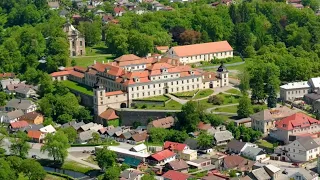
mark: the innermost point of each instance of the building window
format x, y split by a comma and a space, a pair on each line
80, 43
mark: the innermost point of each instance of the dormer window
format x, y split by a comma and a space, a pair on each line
164, 70
191, 72
136, 79
107, 70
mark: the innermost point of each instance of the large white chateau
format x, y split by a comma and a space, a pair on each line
131, 77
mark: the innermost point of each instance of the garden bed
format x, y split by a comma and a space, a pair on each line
161, 98
170, 105
203, 93
187, 94
234, 91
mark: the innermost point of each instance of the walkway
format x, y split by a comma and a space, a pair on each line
181, 101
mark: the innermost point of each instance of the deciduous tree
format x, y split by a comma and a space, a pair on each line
19, 145
106, 158
244, 107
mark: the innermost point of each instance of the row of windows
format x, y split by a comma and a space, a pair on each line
160, 85
210, 55
150, 93
296, 92
165, 77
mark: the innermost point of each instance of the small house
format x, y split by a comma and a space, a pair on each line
177, 165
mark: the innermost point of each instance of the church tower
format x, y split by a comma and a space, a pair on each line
222, 73
99, 99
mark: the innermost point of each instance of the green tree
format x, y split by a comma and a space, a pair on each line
188, 118
205, 140
148, 177
19, 145
91, 31
124, 166
46, 85
32, 169
112, 173
157, 135
244, 107
64, 118
106, 158
6, 173
244, 82
3, 97
56, 145
84, 115
71, 134
15, 163
140, 44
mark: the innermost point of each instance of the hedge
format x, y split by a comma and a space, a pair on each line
61, 175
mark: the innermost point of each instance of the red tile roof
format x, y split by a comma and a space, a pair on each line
77, 74
60, 73
204, 48
204, 126
235, 161
297, 120
118, 10
175, 175
174, 146
34, 134
159, 156
19, 124
109, 114
127, 57
140, 137
162, 48
166, 122
112, 93
30, 116
7, 75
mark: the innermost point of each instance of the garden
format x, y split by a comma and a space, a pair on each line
203, 93
186, 94
78, 87
171, 105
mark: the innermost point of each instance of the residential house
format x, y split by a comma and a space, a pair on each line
9, 117
162, 49
199, 163
15, 126
266, 119
254, 153
304, 174
259, 174
236, 146
196, 53
7, 75
96, 127
76, 40
193, 144
238, 163
273, 171
301, 150
124, 153
85, 136
131, 174
118, 11
6, 82
48, 129
182, 150
78, 125
177, 165
222, 137
162, 157
31, 127
311, 98
68, 124
175, 175
107, 117
107, 18
165, 123
295, 126
137, 138
32, 118
36, 136
139, 148
86, 127
25, 92
21, 104
53, 5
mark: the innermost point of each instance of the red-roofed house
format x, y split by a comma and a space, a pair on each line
118, 11
162, 157
175, 175
109, 117
18, 124
183, 151
201, 52
36, 136
296, 125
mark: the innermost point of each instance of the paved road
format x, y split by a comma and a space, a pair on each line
227, 65
181, 101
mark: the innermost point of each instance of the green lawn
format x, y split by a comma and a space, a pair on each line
203, 93
74, 166
218, 61
87, 61
234, 91
78, 87
227, 99
156, 98
230, 109
98, 49
114, 123
264, 144
171, 105
91, 159
53, 177
185, 94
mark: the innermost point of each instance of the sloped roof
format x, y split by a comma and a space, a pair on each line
204, 126
174, 146
159, 156
223, 135
48, 129
112, 93
19, 124
253, 151
19, 103
76, 126
296, 120
236, 145
166, 122
235, 161
138, 137
109, 114
30, 116
139, 147
178, 164
86, 135
260, 174
204, 48
175, 175
127, 57
15, 114
34, 134
130, 174
274, 113
308, 143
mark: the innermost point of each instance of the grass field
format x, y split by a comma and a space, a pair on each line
203, 93
235, 59
52, 177
78, 87
171, 105
230, 109
227, 99
185, 94
234, 91
264, 144
91, 159
156, 98
87, 61
74, 166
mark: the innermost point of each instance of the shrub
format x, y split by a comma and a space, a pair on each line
144, 106
216, 100
257, 108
